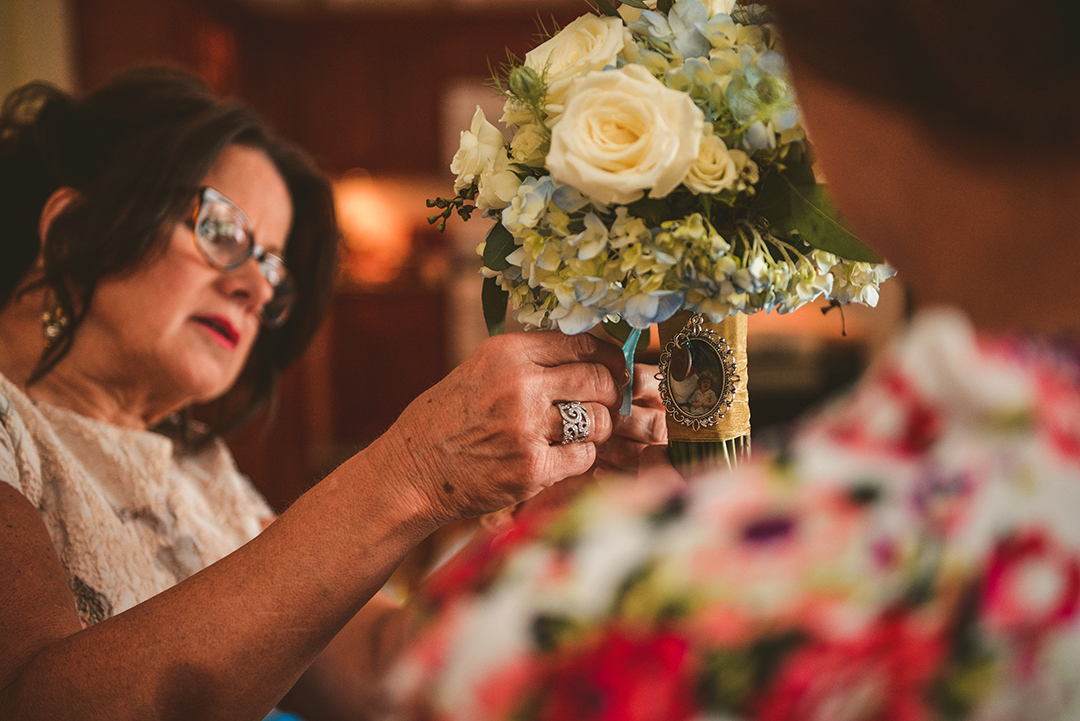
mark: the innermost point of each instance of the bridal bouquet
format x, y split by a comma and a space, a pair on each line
655, 163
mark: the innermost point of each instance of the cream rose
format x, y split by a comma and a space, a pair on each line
624, 132
714, 170
479, 146
588, 43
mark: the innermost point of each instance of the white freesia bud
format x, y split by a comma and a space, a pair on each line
588, 43
624, 132
747, 169
516, 112
719, 7
527, 145
480, 145
714, 170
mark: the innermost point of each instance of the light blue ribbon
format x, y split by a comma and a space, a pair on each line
628, 352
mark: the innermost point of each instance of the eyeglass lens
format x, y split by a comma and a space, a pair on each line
224, 235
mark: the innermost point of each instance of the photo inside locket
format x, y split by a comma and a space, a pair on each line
696, 378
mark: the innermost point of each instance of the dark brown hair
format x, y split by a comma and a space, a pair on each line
135, 150
996, 69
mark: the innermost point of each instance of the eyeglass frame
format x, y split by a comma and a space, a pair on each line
254, 250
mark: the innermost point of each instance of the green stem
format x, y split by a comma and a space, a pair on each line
692, 457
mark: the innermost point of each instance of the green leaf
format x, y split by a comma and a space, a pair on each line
806, 208
607, 8
773, 201
801, 173
820, 225
636, 4
494, 300
664, 6
653, 211
620, 331
500, 243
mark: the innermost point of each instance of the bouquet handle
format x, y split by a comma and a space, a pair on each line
703, 382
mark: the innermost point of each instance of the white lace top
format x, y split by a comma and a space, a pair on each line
129, 513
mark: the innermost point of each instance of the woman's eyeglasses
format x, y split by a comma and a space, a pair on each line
224, 235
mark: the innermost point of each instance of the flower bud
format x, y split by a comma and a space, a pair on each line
525, 83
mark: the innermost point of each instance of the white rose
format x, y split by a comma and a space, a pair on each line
498, 184
624, 132
480, 145
588, 43
714, 170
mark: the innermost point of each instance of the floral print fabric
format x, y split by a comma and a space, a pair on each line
912, 554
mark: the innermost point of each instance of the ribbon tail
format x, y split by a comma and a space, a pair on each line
628, 349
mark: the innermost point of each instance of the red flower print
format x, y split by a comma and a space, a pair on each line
890, 416
882, 675
1059, 413
476, 565
500, 694
1032, 585
621, 677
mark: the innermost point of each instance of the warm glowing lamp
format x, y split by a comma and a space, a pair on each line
376, 233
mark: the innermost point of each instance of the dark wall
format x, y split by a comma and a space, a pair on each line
354, 89
365, 92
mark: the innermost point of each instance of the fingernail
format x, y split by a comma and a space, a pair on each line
626, 377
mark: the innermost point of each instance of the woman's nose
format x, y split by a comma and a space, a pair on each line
248, 284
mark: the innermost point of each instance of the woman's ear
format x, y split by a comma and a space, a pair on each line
54, 206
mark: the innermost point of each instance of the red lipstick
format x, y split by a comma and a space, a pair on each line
221, 329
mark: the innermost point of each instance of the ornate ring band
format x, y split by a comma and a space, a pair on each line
576, 423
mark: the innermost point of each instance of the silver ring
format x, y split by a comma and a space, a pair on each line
576, 423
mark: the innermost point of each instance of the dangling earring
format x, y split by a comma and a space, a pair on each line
53, 323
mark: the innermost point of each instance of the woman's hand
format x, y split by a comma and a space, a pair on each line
489, 435
630, 435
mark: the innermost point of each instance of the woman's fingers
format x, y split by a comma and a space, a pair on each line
646, 387
577, 457
654, 460
618, 455
573, 459
552, 348
643, 425
583, 382
599, 423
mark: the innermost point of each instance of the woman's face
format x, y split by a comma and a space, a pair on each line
177, 329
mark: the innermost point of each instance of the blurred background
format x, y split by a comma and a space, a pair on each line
377, 91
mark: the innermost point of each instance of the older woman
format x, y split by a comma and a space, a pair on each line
162, 250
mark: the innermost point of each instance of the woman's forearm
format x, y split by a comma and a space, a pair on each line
230, 641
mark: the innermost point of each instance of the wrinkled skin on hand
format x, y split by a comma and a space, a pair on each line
488, 435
